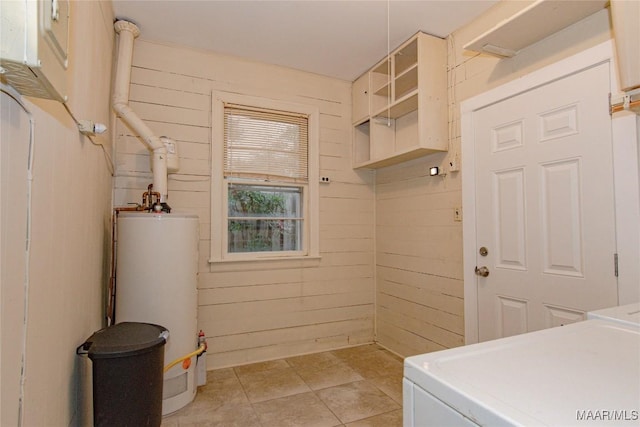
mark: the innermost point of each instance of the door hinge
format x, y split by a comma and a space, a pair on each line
615, 264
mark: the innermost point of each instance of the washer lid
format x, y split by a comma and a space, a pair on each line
123, 340
549, 377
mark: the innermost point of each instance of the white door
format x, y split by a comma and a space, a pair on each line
544, 206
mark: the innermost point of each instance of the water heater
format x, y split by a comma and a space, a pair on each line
156, 282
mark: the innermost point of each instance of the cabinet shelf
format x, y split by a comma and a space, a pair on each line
407, 105
399, 108
383, 90
407, 82
534, 23
398, 157
410, 70
406, 57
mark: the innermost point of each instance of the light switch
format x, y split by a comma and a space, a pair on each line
457, 214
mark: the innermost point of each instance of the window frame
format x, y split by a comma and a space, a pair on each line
219, 184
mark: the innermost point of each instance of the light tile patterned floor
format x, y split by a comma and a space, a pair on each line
354, 387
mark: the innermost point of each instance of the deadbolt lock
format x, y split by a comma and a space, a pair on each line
484, 251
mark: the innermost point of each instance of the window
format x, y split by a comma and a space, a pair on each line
264, 218
264, 203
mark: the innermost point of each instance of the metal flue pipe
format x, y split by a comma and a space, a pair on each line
127, 32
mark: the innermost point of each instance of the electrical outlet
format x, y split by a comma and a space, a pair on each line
325, 180
457, 214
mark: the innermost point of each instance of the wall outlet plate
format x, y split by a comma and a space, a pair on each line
457, 214
454, 165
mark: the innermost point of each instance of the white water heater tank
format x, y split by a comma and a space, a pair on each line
156, 282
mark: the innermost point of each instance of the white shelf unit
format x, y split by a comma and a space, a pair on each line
537, 21
400, 105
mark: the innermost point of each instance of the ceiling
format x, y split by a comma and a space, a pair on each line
339, 39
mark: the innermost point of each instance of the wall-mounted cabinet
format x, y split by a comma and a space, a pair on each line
360, 95
400, 105
34, 47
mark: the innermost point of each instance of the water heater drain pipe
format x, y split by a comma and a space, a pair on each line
128, 31
198, 352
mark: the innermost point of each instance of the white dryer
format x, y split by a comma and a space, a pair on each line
586, 373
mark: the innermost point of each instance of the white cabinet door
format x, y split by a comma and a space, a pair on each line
544, 206
360, 98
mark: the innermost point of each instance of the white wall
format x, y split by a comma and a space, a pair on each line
70, 234
258, 311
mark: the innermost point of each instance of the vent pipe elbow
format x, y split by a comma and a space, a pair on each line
127, 32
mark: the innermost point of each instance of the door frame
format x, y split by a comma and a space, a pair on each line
626, 185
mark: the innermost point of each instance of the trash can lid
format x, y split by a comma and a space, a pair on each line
124, 339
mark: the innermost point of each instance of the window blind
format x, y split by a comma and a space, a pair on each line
265, 144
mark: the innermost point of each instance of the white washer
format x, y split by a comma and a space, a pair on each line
629, 314
586, 373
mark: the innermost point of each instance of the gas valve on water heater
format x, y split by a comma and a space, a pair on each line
173, 161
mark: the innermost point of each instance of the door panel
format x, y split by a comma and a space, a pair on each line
513, 316
558, 316
544, 205
562, 249
509, 217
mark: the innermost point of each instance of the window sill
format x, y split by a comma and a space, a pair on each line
244, 264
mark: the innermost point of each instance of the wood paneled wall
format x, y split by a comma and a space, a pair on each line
53, 307
267, 310
419, 288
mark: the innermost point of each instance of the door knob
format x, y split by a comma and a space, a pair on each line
482, 271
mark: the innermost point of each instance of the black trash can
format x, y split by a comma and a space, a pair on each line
128, 361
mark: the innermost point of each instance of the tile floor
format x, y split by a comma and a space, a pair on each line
354, 387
